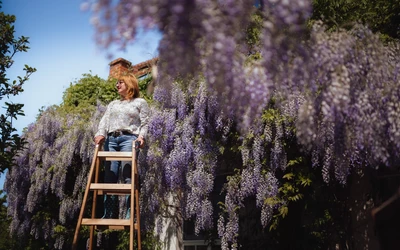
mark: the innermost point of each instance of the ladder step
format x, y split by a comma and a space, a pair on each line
116, 224
111, 188
114, 156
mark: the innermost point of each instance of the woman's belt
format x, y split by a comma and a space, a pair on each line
117, 133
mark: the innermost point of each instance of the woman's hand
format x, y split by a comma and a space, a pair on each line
141, 140
99, 139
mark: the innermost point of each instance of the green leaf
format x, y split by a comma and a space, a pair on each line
288, 176
283, 211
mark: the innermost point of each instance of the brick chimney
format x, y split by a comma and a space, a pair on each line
118, 67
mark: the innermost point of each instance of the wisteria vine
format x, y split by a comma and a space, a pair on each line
342, 86
336, 94
45, 189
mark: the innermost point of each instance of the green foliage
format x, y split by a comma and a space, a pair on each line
83, 95
151, 242
10, 142
379, 15
5, 238
59, 229
119, 240
144, 85
253, 33
294, 182
318, 213
272, 115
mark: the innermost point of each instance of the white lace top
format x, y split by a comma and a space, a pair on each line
130, 115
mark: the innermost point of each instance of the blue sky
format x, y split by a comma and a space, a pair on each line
62, 48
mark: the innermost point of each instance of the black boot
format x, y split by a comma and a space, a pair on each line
110, 207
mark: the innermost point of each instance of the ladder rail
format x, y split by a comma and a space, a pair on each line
135, 176
90, 178
94, 203
132, 201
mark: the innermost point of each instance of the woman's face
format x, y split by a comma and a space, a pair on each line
122, 88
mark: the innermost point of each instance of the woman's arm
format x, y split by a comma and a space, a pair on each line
144, 120
103, 126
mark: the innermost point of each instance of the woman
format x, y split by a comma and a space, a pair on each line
124, 122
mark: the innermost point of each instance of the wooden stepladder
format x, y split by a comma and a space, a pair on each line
93, 186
